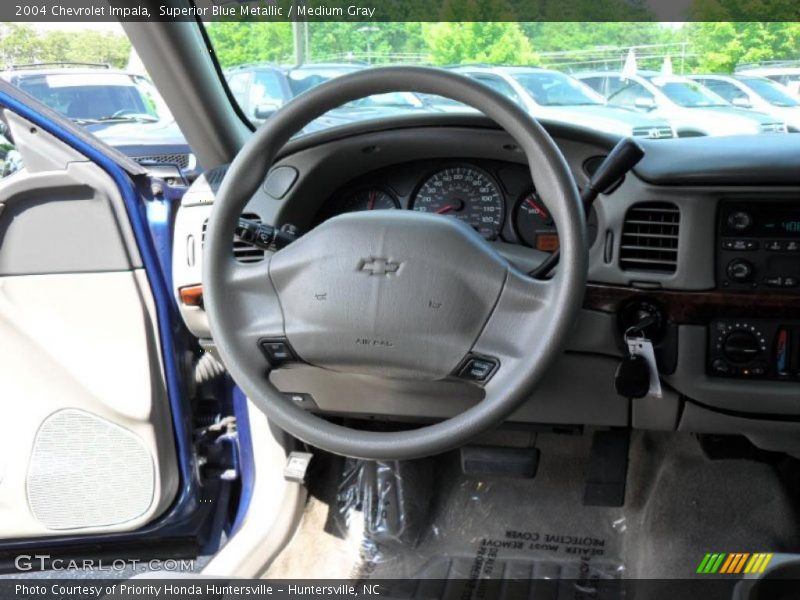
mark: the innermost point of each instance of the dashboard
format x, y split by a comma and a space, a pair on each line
670, 239
496, 198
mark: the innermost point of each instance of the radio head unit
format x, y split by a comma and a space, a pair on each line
758, 245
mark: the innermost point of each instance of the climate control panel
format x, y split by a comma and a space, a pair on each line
754, 349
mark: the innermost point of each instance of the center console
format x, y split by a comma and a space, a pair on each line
758, 249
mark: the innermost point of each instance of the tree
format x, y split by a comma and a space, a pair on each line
472, 42
331, 40
554, 36
719, 46
22, 44
236, 43
19, 43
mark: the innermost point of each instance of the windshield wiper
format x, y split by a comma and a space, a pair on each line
573, 104
137, 118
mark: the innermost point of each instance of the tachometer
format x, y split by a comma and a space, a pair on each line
371, 198
467, 193
534, 225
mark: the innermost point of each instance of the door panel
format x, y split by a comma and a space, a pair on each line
89, 445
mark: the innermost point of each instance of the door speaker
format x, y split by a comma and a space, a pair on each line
86, 471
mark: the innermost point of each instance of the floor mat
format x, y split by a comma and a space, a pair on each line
679, 505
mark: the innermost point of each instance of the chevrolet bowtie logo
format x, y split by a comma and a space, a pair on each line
379, 266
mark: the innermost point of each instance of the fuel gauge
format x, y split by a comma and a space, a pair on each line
534, 225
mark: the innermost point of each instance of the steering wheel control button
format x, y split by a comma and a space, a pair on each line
302, 400
278, 352
478, 368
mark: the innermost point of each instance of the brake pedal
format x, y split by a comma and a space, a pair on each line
500, 462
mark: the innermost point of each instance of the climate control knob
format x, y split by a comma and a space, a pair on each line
741, 346
740, 270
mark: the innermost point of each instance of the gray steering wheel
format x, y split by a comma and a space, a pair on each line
393, 294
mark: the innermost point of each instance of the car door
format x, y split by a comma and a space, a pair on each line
596, 82
633, 96
96, 446
728, 91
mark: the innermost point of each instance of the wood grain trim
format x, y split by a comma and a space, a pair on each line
697, 307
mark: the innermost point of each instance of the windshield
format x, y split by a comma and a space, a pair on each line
687, 93
96, 97
577, 67
304, 78
555, 89
770, 91
391, 100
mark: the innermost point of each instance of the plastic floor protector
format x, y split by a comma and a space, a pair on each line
430, 522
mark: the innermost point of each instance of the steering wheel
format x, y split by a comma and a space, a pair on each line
393, 294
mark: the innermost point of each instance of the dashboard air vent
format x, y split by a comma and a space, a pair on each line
243, 252
650, 237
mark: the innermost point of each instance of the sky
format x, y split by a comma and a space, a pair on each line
63, 26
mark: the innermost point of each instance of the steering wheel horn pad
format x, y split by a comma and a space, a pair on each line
393, 294
387, 293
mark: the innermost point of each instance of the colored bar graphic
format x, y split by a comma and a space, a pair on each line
729, 562
734, 563
704, 563
740, 563
717, 563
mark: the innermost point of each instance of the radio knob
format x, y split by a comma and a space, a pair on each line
741, 347
740, 221
740, 270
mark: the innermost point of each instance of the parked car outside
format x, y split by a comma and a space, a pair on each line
304, 77
758, 93
259, 88
690, 107
121, 108
557, 97
372, 107
785, 73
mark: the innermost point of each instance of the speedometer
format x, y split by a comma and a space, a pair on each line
464, 192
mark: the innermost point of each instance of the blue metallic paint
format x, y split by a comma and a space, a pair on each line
186, 515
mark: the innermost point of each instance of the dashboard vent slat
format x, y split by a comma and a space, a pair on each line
650, 238
242, 251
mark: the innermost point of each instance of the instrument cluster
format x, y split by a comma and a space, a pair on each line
495, 198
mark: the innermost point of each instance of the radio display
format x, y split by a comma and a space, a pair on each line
790, 227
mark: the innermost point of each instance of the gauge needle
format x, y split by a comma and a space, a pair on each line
541, 211
371, 201
446, 208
